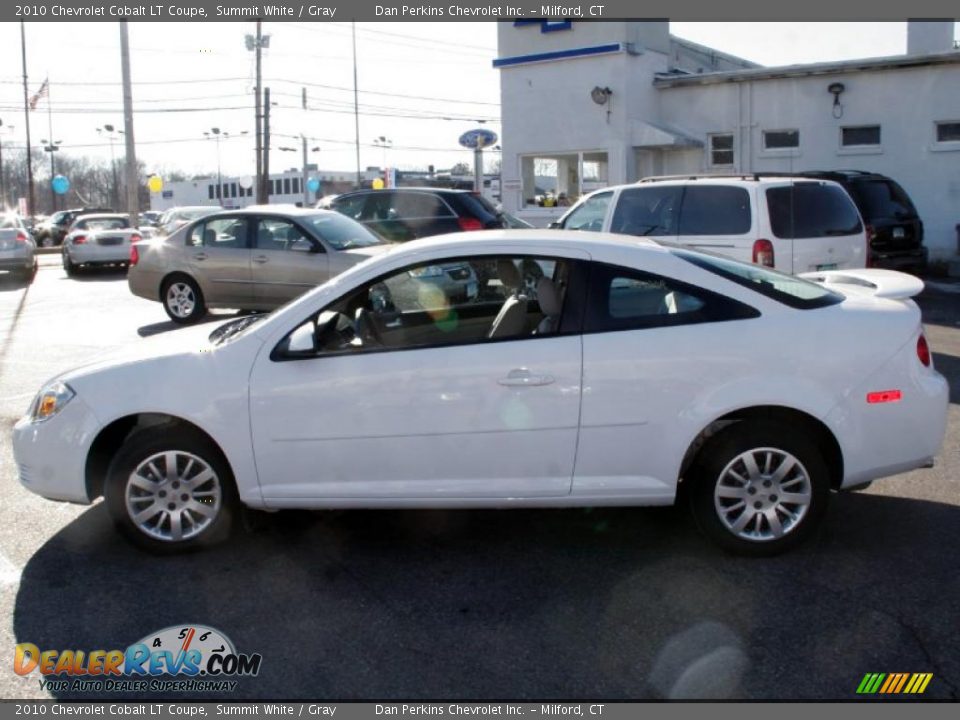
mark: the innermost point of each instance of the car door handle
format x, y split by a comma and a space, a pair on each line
260, 259
200, 256
522, 377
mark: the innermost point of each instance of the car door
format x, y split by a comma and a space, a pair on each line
433, 408
286, 261
423, 214
650, 210
218, 257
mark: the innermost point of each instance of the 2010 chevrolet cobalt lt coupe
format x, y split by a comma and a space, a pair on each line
628, 369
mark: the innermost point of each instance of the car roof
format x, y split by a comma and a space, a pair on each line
549, 239
405, 188
291, 210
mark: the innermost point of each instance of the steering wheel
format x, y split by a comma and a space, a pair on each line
366, 328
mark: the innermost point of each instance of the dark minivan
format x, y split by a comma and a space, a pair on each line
402, 214
894, 229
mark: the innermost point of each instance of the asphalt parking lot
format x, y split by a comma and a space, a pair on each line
585, 604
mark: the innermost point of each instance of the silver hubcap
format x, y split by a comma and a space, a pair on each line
173, 496
762, 494
180, 299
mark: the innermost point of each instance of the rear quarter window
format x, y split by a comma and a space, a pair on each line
809, 210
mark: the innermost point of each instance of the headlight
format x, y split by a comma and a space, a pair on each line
50, 401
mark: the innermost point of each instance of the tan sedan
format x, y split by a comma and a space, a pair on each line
250, 259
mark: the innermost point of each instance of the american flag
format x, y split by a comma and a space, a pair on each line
41, 93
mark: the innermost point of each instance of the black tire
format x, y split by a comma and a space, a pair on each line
69, 267
809, 477
188, 286
155, 535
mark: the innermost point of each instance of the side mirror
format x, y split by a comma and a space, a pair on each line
304, 246
555, 225
302, 341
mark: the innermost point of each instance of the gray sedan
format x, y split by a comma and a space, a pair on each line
251, 259
16, 247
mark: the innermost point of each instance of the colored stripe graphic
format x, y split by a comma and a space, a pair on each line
894, 683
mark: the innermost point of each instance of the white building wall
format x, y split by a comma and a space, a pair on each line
906, 103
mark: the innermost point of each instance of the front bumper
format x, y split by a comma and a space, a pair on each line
51, 455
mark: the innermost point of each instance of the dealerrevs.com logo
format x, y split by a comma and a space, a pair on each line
177, 658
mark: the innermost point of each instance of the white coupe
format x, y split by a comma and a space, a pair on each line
587, 370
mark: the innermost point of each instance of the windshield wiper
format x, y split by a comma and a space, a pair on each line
225, 332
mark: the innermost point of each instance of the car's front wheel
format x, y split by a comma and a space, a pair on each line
170, 490
759, 488
183, 300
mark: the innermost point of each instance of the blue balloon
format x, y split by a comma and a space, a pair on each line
313, 184
60, 184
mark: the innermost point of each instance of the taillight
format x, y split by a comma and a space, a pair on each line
134, 255
871, 236
21, 236
923, 351
136, 238
884, 396
469, 223
79, 239
871, 233
763, 253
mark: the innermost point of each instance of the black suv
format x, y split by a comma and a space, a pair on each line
894, 230
402, 214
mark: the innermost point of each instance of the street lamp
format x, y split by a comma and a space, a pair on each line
51, 146
216, 133
384, 143
304, 172
112, 134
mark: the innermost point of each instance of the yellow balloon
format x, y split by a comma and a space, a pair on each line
377, 184
155, 183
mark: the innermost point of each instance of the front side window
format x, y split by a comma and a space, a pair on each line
650, 211
781, 139
590, 214
452, 301
787, 289
812, 210
715, 210
627, 299
279, 234
228, 232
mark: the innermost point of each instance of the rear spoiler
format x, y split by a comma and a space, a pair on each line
883, 283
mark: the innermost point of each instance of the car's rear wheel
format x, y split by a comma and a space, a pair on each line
759, 488
170, 490
183, 300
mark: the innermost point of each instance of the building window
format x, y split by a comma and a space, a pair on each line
210, 192
948, 132
721, 150
286, 186
781, 139
860, 136
296, 186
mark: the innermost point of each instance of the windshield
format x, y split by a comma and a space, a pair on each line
341, 233
787, 289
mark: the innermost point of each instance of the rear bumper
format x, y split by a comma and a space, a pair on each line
899, 259
89, 253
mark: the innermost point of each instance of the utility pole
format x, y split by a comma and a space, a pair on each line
261, 182
356, 103
266, 145
26, 114
303, 137
133, 185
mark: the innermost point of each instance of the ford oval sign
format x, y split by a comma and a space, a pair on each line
478, 139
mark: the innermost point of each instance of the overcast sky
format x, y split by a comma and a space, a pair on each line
422, 85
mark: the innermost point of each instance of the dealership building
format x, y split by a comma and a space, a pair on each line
598, 104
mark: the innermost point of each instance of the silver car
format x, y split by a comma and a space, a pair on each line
98, 240
175, 218
16, 248
250, 259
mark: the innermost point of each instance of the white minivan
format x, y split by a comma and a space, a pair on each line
793, 225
